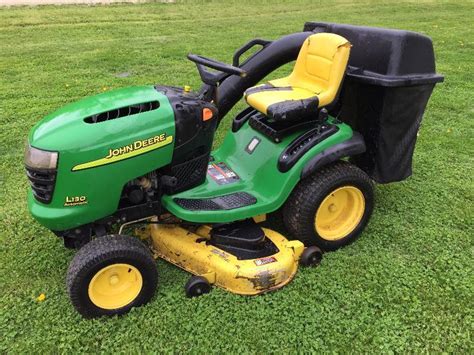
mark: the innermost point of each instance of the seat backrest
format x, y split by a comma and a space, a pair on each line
321, 65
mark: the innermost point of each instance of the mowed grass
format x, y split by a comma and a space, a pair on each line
405, 286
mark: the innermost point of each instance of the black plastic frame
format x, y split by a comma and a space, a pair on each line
302, 144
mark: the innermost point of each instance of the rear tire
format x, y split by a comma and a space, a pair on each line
330, 208
110, 275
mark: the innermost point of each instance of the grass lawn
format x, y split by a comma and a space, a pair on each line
405, 286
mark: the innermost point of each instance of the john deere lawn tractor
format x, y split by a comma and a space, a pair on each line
130, 174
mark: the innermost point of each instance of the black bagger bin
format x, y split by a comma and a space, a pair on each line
390, 77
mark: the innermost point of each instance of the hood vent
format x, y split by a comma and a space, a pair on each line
122, 112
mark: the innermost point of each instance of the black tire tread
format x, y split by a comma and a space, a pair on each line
300, 205
99, 250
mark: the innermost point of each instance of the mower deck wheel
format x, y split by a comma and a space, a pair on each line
311, 256
197, 286
110, 275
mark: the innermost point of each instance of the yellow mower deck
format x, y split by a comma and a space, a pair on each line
190, 251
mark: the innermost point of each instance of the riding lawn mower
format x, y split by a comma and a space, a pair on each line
129, 175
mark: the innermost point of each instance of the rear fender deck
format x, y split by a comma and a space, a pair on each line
243, 179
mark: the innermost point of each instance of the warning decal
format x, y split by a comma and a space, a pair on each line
265, 261
221, 173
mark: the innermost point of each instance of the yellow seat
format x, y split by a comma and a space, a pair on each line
314, 82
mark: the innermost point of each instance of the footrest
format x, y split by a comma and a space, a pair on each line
224, 202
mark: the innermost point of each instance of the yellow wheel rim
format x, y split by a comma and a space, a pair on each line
339, 213
115, 286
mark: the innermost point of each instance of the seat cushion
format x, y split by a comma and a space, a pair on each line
282, 102
315, 79
321, 64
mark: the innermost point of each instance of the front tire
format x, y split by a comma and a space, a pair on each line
330, 208
110, 275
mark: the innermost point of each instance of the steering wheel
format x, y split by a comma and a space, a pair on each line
212, 78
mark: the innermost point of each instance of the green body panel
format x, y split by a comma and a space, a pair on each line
78, 142
258, 172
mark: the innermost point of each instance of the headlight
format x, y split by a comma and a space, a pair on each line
40, 159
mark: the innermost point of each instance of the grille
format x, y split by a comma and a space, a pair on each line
42, 183
190, 173
122, 112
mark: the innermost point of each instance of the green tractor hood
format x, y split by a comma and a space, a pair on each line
67, 127
94, 138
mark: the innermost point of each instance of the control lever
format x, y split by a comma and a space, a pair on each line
323, 115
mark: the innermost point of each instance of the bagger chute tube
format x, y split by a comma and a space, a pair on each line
130, 174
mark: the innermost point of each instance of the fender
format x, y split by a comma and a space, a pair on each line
352, 146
